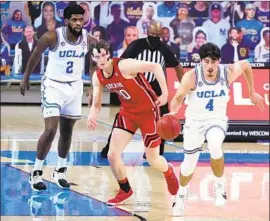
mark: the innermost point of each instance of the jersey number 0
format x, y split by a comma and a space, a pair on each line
125, 95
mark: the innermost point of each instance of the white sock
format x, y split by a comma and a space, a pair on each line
183, 190
61, 162
38, 164
220, 180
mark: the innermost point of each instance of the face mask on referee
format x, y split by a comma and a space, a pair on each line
154, 32
153, 41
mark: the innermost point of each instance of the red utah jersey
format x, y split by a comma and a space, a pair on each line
136, 94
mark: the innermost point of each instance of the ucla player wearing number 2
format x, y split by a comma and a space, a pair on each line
139, 109
61, 90
207, 90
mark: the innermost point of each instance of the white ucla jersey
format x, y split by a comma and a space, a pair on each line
209, 99
66, 60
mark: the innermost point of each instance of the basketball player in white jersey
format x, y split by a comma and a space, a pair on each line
61, 89
207, 87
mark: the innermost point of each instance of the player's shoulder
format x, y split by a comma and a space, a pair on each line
193, 71
50, 35
189, 79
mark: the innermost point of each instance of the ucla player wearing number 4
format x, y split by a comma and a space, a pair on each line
207, 87
139, 109
61, 89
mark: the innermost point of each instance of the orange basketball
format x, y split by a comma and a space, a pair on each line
168, 127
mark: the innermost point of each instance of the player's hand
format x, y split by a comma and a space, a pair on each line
89, 95
91, 122
257, 100
162, 100
24, 85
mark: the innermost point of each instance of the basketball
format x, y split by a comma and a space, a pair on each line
168, 127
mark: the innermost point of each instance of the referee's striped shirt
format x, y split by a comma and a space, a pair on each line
140, 50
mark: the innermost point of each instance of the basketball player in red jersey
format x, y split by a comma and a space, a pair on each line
139, 109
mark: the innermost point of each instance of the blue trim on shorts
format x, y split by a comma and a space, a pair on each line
43, 98
198, 149
215, 125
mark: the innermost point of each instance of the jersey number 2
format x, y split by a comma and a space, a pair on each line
210, 105
69, 69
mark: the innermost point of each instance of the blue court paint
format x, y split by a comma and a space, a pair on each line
132, 159
17, 199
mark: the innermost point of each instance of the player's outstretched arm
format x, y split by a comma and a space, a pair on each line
96, 103
130, 68
49, 39
187, 84
244, 67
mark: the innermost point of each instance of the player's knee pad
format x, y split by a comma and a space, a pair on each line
189, 164
215, 138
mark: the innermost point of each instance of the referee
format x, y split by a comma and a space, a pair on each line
153, 50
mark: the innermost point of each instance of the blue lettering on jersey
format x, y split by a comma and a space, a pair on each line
209, 94
70, 54
222, 31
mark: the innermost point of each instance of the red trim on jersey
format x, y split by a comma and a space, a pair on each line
140, 80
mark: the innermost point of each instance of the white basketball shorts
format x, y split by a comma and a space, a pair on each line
195, 133
61, 98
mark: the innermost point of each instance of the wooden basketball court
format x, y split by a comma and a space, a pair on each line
247, 173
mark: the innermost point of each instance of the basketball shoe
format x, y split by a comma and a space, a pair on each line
179, 203
220, 197
36, 181
120, 197
172, 181
59, 177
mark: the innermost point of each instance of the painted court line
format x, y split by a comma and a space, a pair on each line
121, 208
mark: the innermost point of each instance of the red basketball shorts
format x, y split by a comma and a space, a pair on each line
145, 121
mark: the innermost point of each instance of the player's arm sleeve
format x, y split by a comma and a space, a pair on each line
131, 51
17, 59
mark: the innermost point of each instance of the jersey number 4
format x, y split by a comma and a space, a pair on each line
69, 69
210, 105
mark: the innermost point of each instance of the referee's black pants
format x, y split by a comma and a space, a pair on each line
163, 110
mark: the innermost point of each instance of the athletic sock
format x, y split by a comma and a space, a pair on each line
124, 185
